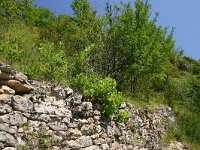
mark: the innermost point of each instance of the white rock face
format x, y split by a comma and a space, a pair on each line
60, 118
7, 90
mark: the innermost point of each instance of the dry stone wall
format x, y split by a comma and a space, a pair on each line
39, 115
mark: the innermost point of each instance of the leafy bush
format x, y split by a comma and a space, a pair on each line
188, 127
123, 115
80, 62
10, 48
88, 85
184, 90
103, 89
112, 102
18, 43
86, 80
49, 62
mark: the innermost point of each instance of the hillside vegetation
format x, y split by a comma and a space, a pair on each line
122, 55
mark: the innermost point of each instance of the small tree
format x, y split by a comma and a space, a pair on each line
142, 50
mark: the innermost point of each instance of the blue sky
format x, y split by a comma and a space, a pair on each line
182, 14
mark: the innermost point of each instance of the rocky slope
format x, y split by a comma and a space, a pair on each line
39, 115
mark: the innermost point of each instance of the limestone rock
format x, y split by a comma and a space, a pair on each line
71, 144
7, 73
83, 121
5, 98
57, 126
5, 68
99, 141
68, 91
22, 104
7, 128
63, 112
5, 108
44, 117
9, 148
93, 147
58, 92
87, 106
74, 133
176, 145
20, 77
7, 90
75, 99
95, 136
87, 129
7, 139
104, 146
5, 76
72, 125
66, 120
123, 105
56, 102
117, 146
13, 119
17, 86
84, 141
34, 124
40, 108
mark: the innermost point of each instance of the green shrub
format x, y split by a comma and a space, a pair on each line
112, 102
123, 116
18, 43
86, 80
103, 89
80, 62
87, 85
32, 70
49, 62
188, 126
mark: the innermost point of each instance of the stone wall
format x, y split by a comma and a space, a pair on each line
45, 116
